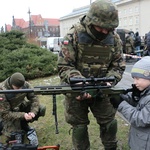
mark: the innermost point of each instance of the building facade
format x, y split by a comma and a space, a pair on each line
67, 21
133, 15
37, 28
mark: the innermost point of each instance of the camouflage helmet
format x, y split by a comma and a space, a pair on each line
102, 13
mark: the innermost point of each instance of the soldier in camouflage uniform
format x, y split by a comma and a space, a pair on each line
129, 46
92, 48
17, 110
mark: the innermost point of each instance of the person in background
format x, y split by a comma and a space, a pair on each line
135, 106
92, 48
137, 45
129, 46
147, 43
18, 109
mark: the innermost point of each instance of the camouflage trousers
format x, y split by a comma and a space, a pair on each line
76, 114
129, 50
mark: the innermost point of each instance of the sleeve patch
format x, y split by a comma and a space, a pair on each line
66, 42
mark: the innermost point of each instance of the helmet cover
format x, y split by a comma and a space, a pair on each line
102, 13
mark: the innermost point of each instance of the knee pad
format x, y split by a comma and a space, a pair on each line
80, 132
108, 134
111, 127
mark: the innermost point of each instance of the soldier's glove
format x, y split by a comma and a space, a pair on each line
116, 101
95, 94
89, 95
41, 112
135, 93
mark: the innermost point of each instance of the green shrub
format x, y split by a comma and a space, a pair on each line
19, 56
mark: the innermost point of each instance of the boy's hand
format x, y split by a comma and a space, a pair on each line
135, 93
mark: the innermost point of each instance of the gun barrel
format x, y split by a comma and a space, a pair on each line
17, 91
51, 90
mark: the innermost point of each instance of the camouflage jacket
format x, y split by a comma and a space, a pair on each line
83, 56
11, 104
130, 42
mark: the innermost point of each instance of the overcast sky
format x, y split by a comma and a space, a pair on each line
47, 8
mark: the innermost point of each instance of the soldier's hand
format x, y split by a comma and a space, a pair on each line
27, 117
83, 96
109, 83
31, 114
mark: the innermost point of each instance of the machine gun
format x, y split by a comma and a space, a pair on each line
77, 85
16, 142
17, 146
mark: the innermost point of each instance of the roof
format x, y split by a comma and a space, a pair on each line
52, 22
21, 23
39, 21
77, 12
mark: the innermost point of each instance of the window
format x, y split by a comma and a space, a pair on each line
130, 21
137, 29
125, 22
125, 11
136, 9
130, 10
137, 20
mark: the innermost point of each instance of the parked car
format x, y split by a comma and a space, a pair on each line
57, 43
53, 43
